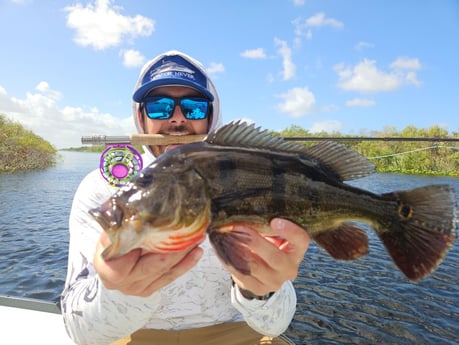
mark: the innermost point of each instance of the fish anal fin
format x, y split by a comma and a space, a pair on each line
345, 242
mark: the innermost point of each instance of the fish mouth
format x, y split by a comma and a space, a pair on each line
129, 230
109, 215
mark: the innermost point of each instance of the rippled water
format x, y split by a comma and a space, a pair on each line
367, 301
35, 207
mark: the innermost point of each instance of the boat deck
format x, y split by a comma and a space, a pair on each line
29, 321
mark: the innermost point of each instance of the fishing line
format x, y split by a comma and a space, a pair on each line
416, 150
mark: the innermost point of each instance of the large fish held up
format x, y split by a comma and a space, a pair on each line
243, 175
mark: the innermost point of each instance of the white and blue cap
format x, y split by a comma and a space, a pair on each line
172, 70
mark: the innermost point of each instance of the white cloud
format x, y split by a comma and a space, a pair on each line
329, 126
258, 53
411, 78
363, 45
366, 77
102, 25
301, 30
360, 102
214, 68
320, 20
298, 2
289, 68
132, 58
406, 63
303, 27
62, 127
297, 102
44, 88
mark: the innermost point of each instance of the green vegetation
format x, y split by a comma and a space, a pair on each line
406, 157
22, 150
94, 148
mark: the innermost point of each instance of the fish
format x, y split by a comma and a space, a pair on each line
241, 174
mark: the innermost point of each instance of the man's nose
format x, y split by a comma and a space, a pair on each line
177, 115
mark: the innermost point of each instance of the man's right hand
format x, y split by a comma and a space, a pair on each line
141, 273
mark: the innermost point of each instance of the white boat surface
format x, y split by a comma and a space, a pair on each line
31, 321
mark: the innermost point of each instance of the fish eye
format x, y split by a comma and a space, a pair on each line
405, 211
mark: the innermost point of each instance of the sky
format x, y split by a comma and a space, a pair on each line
68, 68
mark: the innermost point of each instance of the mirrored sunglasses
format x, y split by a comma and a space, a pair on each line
162, 107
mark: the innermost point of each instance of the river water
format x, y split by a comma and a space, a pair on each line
367, 301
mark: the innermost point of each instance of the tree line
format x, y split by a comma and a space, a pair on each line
433, 157
22, 150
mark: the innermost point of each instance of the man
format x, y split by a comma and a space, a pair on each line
187, 296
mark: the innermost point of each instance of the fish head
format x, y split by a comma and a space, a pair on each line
160, 210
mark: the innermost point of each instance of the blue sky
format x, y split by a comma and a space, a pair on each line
68, 68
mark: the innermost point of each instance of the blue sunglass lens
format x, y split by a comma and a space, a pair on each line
194, 109
162, 108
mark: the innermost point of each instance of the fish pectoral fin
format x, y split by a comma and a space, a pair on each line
231, 245
345, 242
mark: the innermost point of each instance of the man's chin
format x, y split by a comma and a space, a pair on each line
160, 149
157, 150
170, 147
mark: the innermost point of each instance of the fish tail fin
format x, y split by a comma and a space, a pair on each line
425, 230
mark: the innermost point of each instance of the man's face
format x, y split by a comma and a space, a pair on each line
177, 124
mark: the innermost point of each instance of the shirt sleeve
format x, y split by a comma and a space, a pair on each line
93, 314
271, 317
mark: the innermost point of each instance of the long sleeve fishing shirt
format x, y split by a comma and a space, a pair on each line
202, 297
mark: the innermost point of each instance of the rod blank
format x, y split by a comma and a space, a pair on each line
140, 139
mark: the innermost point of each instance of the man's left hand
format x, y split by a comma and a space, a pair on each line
275, 259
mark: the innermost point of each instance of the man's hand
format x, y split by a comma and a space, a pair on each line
141, 273
275, 260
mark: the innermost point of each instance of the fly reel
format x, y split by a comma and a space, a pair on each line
119, 163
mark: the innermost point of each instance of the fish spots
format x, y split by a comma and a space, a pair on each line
405, 211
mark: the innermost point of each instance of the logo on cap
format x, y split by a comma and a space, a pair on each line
172, 70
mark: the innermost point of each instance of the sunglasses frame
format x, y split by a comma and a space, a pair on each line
178, 102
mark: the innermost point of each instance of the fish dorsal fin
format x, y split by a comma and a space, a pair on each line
345, 163
243, 134
338, 160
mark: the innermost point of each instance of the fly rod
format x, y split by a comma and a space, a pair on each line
140, 139
120, 161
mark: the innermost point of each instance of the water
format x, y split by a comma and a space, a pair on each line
35, 208
366, 301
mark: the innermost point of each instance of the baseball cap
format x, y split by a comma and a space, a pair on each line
172, 70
